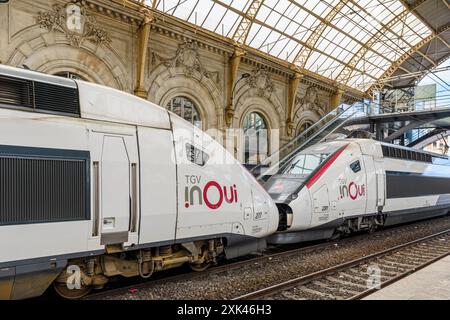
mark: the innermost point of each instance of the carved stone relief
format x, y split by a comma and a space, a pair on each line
187, 57
74, 21
310, 101
260, 80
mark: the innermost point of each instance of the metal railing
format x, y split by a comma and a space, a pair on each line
322, 129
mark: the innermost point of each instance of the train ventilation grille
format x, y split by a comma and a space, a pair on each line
38, 96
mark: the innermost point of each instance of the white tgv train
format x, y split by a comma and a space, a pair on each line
352, 185
96, 183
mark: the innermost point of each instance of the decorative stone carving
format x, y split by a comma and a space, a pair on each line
260, 80
75, 23
187, 57
309, 102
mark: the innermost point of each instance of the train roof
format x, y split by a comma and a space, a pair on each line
107, 104
331, 146
76, 98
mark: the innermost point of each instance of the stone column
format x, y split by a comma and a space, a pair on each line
232, 76
336, 99
143, 39
292, 93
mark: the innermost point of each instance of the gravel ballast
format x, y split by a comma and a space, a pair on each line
258, 275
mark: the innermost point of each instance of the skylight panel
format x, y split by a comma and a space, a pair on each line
292, 12
198, 13
241, 5
263, 13
323, 65
282, 24
273, 18
282, 6
167, 6
270, 42
214, 18
293, 49
257, 35
228, 24
282, 27
289, 51
277, 48
183, 9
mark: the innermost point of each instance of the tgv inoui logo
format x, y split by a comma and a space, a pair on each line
352, 190
212, 194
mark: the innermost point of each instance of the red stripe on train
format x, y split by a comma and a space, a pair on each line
324, 168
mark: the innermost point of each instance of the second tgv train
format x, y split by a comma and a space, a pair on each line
350, 185
97, 183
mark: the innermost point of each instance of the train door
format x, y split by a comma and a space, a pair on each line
380, 182
372, 184
115, 183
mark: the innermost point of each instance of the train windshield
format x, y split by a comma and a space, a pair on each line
290, 178
304, 164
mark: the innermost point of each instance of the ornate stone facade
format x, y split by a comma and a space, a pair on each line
261, 81
103, 48
82, 28
308, 108
187, 57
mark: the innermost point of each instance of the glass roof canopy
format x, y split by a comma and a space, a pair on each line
350, 42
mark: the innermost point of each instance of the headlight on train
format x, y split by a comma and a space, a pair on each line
290, 218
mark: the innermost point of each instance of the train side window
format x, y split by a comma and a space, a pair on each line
196, 155
355, 166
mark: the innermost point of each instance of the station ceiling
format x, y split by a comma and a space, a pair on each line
357, 43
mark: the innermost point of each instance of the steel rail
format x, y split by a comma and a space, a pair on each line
297, 282
239, 264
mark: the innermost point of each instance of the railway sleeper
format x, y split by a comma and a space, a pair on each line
319, 294
346, 283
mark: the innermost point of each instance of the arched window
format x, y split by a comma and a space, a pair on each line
185, 108
305, 125
256, 138
70, 75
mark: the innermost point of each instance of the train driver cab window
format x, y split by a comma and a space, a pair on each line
305, 163
355, 166
196, 155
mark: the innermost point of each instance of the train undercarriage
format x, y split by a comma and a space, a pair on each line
85, 274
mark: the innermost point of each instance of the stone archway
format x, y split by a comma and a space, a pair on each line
166, 83
307, 109
248, 104
305, 117
52, 53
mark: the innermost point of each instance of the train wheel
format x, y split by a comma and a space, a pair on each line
200, 267
71, 294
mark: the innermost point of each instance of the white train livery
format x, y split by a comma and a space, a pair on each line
349, 185
96, 183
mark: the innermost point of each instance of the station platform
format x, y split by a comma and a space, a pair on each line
429, 283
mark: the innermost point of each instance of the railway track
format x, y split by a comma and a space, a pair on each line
216, 269
358, 278
283, 251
